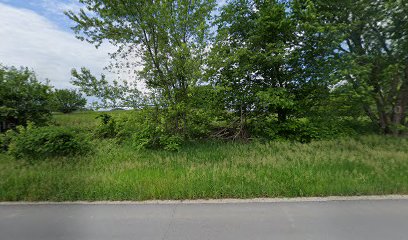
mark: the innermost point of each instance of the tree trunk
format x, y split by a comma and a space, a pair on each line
242, 132
390, 121
399, 109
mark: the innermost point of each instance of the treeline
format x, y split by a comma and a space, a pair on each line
23, 98
268, 69
263, 62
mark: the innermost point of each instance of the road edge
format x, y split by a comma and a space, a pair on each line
219, 201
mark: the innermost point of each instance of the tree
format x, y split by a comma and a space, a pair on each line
109, 95
372, 39
22, 98
252, 59
67, 101
170, 36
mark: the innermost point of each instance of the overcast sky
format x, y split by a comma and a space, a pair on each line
37, 34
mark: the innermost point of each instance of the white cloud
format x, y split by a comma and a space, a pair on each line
29, 39
58, 7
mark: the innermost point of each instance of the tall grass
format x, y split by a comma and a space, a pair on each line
349, 166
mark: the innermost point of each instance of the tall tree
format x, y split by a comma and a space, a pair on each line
23, 98
169, 36
67, 100
373, 52
252, 58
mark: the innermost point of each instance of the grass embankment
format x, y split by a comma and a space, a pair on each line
363, 166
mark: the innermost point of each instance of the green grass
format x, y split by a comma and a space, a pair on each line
86, 120
364, 166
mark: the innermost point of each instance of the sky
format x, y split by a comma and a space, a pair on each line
36, 34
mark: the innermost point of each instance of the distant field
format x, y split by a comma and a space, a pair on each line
82, 119
361, 166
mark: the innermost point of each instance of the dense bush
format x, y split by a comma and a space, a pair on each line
312, 128
107, 126
147, 129
22, 98
5, 139
299, 130
45, 142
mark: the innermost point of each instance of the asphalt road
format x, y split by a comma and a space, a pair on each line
379, 219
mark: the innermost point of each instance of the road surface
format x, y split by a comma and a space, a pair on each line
361, 219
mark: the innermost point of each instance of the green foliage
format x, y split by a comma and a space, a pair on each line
170, 37
22, 98
280, 71
110, 95
287, 64
200, 123
206, 110
84, 120
141, 129
147, 129
36, 143
276, 100
371, 55
305, 130
369, 165
171, 142
106, 127
294, 70
259, 59
67, 101
299, 130
6, 138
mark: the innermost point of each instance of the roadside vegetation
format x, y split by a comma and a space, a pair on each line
360, 165
248, 99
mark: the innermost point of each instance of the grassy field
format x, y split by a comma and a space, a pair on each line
86, 120
362, 166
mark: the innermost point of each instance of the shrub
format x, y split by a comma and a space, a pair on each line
147, 129
199, 123
107, 126
299, 130
5, 139
46, 142
312, 128
171, 142
22, 98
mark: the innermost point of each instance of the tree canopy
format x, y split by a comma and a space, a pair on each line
270, 61
22, 98
293, 70
169, 37
67, 100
